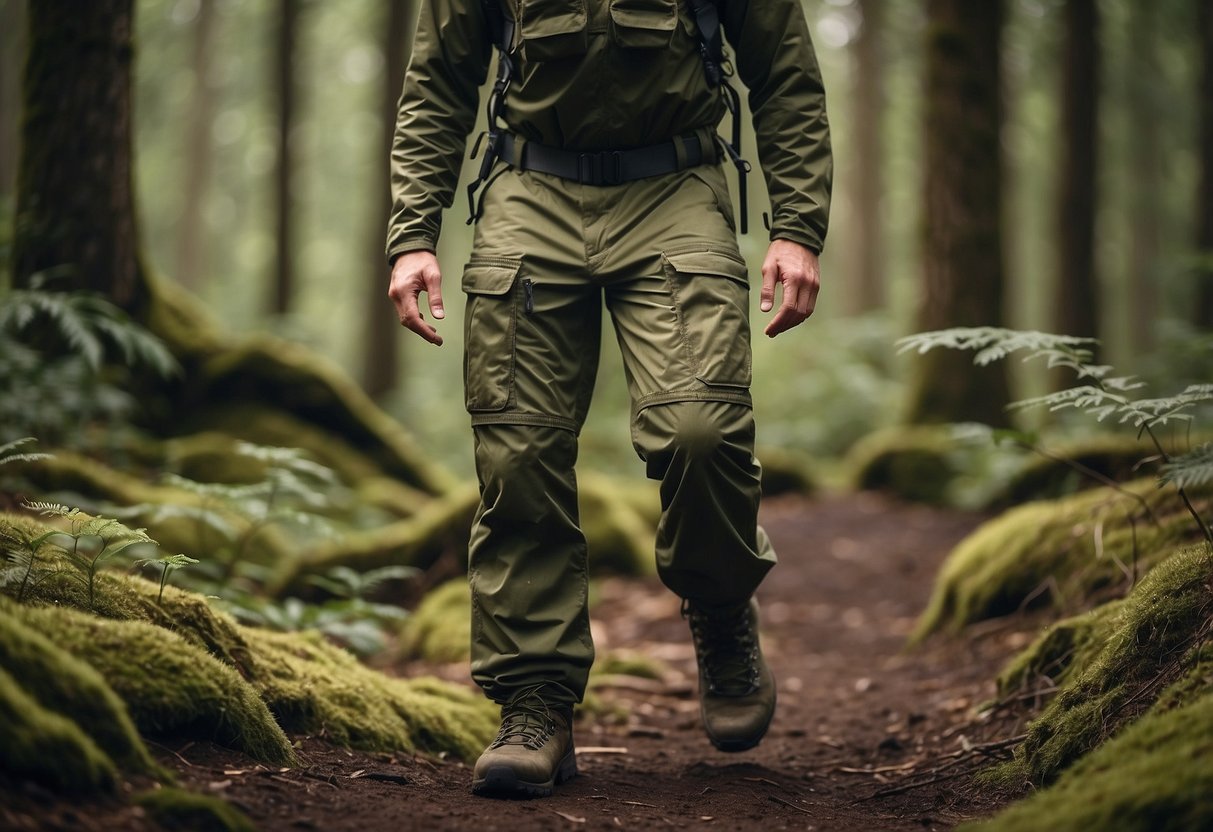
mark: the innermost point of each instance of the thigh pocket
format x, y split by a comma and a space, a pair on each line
490, 325
644, 24
711, 298
553, 29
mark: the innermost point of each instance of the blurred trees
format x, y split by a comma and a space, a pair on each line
191, 262
1203, 316
868, 290
1077, 290
12, 50
1141, 69
284, 203
962, 268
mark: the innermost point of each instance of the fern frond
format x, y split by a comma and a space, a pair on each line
52, 509
1192, 469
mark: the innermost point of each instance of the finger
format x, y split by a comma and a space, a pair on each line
413, 320
810, 296
766, 298
433, 288
786, 318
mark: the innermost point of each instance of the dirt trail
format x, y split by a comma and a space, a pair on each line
857, 713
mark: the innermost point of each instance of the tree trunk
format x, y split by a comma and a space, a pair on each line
1145, 175
1203, 316
1077, 293
284, 76
191, 253
867, 291
75, 204
12, 51
962, 238
381, 363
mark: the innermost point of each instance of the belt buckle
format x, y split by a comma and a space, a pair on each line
601, 168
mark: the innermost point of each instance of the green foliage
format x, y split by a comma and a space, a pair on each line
167, 564
63, 358
9, 452
354, 623
1192, 469
90, 542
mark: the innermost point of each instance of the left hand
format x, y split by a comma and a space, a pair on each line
795, 266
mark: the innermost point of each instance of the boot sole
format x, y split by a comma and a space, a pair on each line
743, 744
503, 781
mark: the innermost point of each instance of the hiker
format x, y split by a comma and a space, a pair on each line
602, 178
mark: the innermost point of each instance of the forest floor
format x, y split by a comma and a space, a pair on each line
868, 735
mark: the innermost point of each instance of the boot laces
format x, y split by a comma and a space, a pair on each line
526, 720
726, 643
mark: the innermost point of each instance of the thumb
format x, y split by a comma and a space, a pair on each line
433, 288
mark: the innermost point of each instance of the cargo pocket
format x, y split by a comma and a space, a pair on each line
644, 24
489, 331
553, 29
711, 298
713, 178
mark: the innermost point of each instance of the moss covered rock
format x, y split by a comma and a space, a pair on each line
915, 463
71, 688
1063, 648
1151, 634
1154, 777
619, 537
169, 686
47, 747
1070, 549
439, 629
175, 808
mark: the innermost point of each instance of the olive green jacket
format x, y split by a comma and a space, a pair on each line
609, 74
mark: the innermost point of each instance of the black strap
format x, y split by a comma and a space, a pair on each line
501, 32
606, 167
711, 44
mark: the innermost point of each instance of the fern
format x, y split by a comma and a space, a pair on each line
8, 452
1191, 469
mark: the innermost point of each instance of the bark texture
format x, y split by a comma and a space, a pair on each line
962, 269
1077, 300
75, 205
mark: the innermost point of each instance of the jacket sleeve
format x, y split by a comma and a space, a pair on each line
776, 62
437, 111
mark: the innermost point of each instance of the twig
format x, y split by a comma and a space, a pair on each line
892, 790
788, 803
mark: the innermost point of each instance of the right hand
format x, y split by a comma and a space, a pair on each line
415, 272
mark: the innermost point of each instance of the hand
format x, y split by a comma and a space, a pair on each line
415, 272
795, 266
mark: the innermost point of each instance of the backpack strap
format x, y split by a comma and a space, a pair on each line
717, 71
501, 32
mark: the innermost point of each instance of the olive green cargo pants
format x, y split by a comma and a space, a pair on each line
663, 254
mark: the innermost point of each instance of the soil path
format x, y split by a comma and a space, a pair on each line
857, 713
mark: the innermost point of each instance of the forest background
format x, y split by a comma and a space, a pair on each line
260, 167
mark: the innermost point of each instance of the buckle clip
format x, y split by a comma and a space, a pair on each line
602, 168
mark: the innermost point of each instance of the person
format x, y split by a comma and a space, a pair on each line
604, 182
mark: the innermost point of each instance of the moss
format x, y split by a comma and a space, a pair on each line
1154, 777
629, 663
290, 377
1055, 546
316, 688
618, 537
67, 686
87, 483
179, 809
441, 526
915, 463
170, 686
785, 471
1154, 627
1116, 456
39, 744
438, 630
1063, 647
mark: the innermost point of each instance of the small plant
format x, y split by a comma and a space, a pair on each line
9, 451
167, 564
54, 349
1099, 393
293, 492
91, 541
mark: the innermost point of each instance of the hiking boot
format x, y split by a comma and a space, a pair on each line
533, 752
736, 689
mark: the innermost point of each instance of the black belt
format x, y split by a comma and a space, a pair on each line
607, 167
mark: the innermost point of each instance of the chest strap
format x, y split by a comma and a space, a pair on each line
608, 167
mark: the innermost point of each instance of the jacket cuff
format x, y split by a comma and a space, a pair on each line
414, 242
803, 236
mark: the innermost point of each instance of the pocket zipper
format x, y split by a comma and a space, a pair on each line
528, 293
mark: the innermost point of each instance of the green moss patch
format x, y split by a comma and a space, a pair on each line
1154, 777
71, 688
45, 746
316, 688
1150, 639
915, 463
170, 686
178, 809
1063, 648
439, 629
1068, 550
